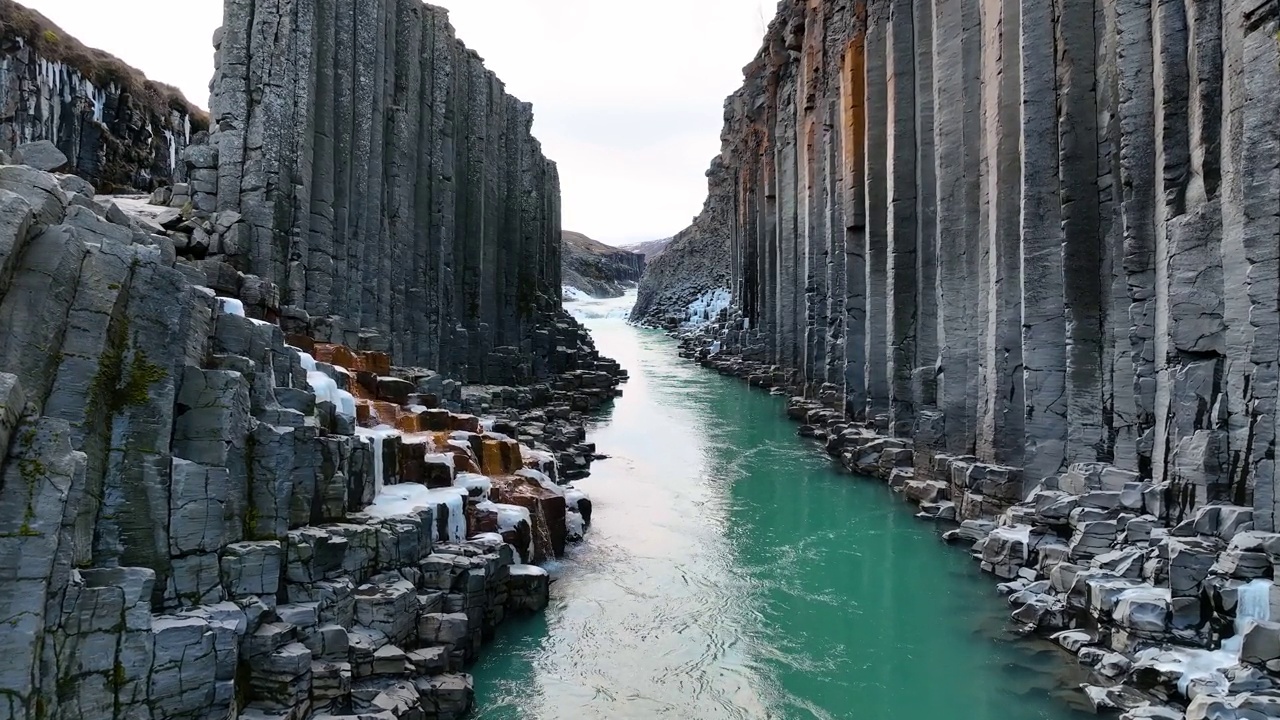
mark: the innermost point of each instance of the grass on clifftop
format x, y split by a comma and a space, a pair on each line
101, 68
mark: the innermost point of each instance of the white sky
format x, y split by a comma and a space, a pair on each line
628, 93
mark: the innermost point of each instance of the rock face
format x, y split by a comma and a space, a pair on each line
1032, 233
199, 519
694, 263
386, 178
597, 269
269, 496
118, 130
650, 249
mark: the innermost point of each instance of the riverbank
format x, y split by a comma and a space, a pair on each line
1171, 622
733, 573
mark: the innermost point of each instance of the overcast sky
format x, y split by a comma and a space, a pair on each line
628, 94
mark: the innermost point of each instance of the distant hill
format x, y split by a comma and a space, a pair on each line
650, 249
597, 269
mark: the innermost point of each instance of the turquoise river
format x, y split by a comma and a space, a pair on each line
731, 572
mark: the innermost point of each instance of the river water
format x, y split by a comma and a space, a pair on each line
731, 573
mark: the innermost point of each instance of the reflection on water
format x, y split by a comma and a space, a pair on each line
731, 573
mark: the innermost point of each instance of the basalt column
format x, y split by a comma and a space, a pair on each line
1057, 221
390, 186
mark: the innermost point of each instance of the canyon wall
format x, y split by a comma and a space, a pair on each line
1030, 232
693, 264
387, 180
240, 474
119, 130
597, 269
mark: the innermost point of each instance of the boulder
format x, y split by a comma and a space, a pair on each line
41, 155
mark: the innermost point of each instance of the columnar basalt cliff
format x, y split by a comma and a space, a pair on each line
1035, 236
386, 179
119, 130
230, 485
693, 264
1019, 259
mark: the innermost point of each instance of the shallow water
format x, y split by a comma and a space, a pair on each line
732, 573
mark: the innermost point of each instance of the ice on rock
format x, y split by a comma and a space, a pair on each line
440, 459
715, 347
231, 306
326, 388
542, 479
456, 500
1208, 667
401, 500
308, 362
473, 482
575, 528
1016, 533
376, 436
509, 516
708, 306
527, 570
572, 496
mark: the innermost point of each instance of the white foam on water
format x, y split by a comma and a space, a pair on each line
584, 307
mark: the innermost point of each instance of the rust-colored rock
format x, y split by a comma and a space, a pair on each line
375, 362
386, 413
303, 342
339, 355
546, 509
411, 422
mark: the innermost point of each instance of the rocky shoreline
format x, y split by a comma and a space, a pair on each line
1173, 621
